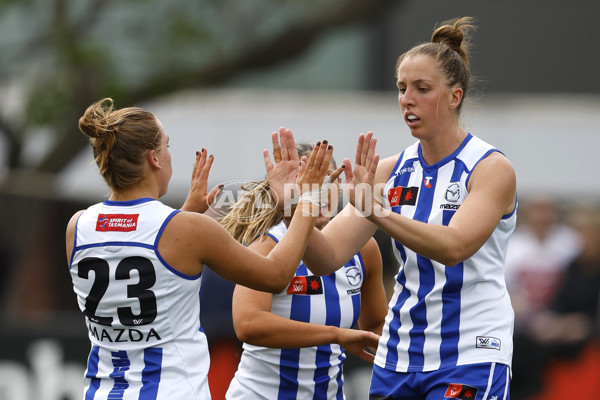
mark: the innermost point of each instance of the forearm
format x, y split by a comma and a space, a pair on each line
271, 330
288, 252
339, 241
438, 242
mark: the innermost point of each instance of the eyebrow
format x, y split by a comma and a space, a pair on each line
418, 81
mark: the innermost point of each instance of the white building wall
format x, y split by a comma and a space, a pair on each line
553, 141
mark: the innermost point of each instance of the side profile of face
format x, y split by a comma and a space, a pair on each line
425, 100
164, 159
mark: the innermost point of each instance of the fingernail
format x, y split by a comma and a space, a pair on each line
329, 147
203, 149
343, 166
325, 141
196, 152
210, 156
221, 186
318, 143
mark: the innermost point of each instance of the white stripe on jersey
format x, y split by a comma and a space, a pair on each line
443, 316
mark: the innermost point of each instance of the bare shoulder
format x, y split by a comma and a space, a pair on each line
263, 245
73, 221
188, 238
497, 159
494, 168
495, 177
193, 225
370, 248
70, 234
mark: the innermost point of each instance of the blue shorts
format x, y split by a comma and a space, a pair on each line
486, 381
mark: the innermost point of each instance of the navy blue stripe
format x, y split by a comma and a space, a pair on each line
394, 325
418, 312
451, 293
92, 371
173, 270
163, 226
160, 257
151, 373
74, 241
395, 169
332, 318
339, 380
288, 374
321, 376
478, 161
513, 210
445, 160
128, 202
121, 244
356, 298
450, 323
289, 358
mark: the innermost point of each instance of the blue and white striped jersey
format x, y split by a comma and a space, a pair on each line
142, 315
311, 372
441, 316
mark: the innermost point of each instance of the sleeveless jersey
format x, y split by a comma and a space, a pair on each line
441, 316
142, 315
310, 372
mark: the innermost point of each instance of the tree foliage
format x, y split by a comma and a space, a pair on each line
58, 56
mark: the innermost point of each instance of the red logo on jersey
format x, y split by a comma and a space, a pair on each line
461, 392
305, 285
427, 182
400, 196
117, 222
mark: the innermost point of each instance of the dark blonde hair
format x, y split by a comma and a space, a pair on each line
120, 140
450, 47
253, 214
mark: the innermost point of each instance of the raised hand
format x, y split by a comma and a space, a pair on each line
285, 170
313, 170
361, 179
356, 341
198, 200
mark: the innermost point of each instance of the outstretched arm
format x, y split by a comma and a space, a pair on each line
191, 240
255, 324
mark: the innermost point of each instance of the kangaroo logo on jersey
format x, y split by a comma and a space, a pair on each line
403, 196
305, 285
117, 222
453, 192
460, 391
354, 275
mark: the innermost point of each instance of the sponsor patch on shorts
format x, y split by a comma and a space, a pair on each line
460, 391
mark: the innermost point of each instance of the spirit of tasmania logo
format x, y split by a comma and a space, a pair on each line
117, 222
